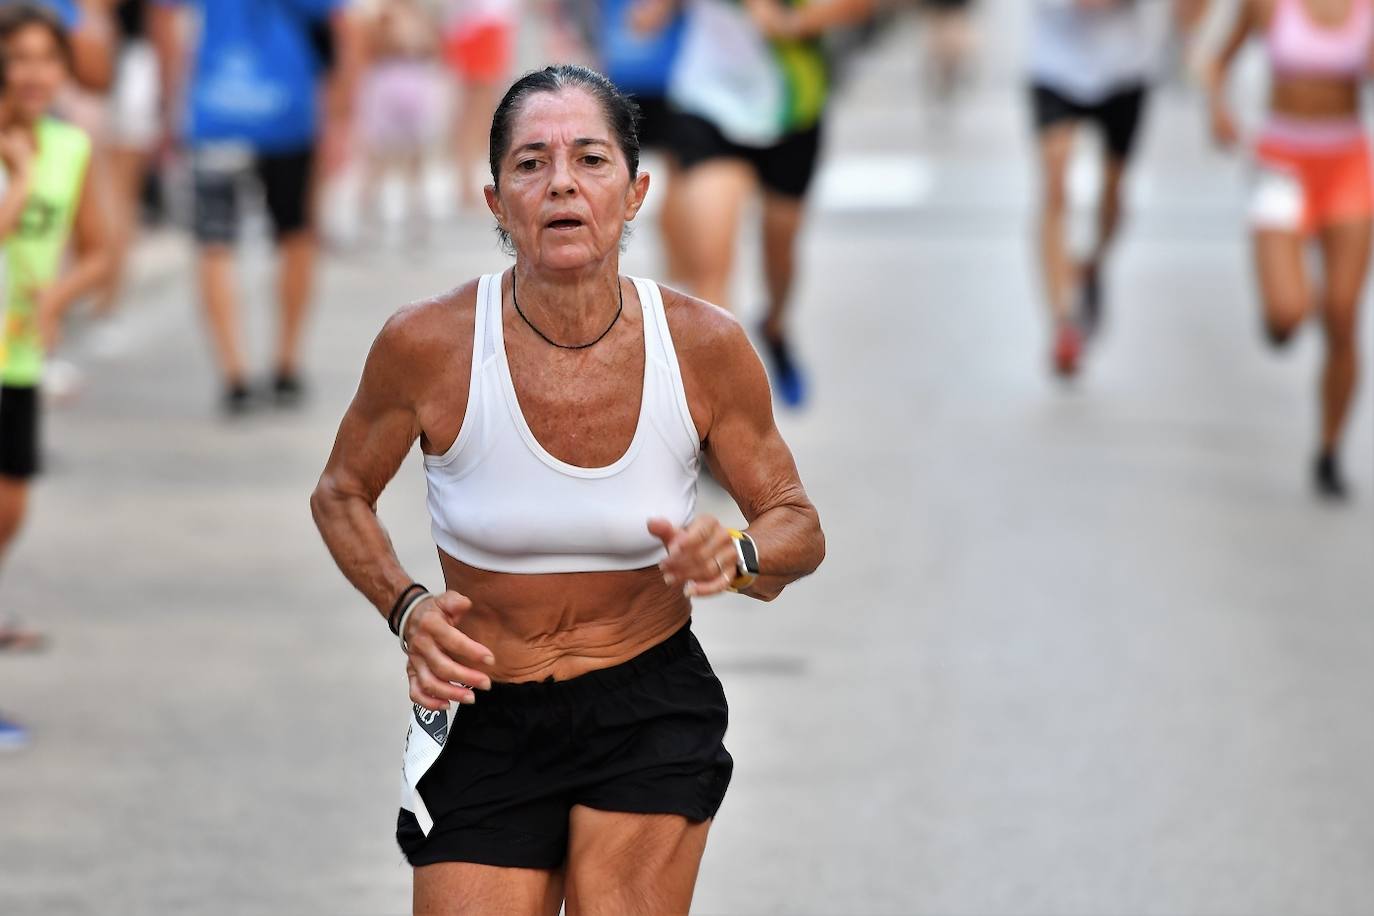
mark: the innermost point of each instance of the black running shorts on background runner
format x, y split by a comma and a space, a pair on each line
644, 737
20, 411
220, 174
785, 168
1118, 115
656, 119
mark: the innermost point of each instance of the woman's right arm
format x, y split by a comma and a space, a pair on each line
16, 152
1214, 75
376, 434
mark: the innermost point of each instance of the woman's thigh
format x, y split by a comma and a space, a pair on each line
461, 888
713, 195
1346, 254
1280, 267
632, 863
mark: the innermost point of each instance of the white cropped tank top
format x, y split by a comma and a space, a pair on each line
498, 501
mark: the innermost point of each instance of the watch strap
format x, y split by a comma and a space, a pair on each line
747, 560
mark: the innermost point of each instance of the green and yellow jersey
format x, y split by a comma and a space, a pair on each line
33, 252
754, 90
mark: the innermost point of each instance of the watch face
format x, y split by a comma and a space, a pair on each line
750, 556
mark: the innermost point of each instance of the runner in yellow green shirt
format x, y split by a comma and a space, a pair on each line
59, 206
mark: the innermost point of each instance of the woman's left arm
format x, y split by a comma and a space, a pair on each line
91, 264
748, 457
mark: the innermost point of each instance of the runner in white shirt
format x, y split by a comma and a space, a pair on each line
1090, 60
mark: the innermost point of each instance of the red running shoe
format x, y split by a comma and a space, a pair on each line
1068, 349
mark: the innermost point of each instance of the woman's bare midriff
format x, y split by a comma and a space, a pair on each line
562, 625
1315, 98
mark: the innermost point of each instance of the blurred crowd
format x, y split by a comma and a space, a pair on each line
118, 114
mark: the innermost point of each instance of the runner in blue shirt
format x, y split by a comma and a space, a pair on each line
249, 110
639, 41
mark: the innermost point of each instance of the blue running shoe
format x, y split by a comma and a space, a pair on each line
789, 382
13, 736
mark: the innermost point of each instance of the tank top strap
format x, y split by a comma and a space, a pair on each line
658, 344
481, 336
487, 332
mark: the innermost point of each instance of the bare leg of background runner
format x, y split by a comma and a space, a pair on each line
1346, 251
1109, 208
713, 195
221, 310
670, 224
1284, 286
125, 168
14, 497
1056, 148
295, 283
782, 222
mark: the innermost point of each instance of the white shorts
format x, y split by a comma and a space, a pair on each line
133, 106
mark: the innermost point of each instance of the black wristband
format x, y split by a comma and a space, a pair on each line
393, 620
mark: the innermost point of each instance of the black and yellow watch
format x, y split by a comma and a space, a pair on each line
747, 561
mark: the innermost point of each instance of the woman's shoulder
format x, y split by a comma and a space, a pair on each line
712, 346
432, 328
698, 325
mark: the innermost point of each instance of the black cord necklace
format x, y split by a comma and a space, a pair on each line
544, 337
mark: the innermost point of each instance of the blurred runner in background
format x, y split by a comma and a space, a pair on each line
250, 111
479, 46
81, 101
950, 43
400, 106
47, 165
751, 83
1090, 60
90, 34
639, 42
1314, 184
132, 131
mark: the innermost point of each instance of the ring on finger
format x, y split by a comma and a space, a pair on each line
719, 568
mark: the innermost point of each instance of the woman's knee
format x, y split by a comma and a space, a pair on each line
1341, 323
13, 501
1054, 198
1282, 318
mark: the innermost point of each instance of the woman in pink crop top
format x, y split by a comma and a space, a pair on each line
1314, 184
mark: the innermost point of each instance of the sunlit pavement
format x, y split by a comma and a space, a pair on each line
1087, 649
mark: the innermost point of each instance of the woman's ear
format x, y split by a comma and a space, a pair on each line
493, 202
634, 198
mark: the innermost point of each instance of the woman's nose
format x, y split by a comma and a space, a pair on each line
561, 182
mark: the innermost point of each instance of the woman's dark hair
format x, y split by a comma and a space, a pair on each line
622, 114
15, 17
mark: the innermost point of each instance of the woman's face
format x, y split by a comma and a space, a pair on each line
565, 192
34, 71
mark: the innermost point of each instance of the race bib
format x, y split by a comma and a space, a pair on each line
1277, 201
424, 742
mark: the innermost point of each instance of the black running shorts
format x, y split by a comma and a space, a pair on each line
643, 737
785, 168
1117, 116
656, 121
220, 176
21, 409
